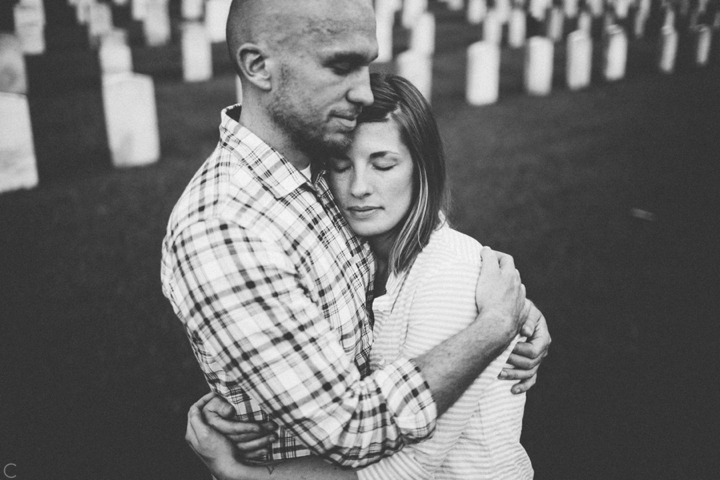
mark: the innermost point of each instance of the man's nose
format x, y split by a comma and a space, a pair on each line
360, 93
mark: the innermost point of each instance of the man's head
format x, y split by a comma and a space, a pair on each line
304, 68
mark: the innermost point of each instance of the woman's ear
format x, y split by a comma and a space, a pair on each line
253, 63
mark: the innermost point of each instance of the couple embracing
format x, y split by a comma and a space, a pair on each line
345, 329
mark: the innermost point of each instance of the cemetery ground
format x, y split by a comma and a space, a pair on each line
607, 198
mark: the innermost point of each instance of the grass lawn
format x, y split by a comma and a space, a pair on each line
97, 374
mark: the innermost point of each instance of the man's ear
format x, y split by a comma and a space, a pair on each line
253, 63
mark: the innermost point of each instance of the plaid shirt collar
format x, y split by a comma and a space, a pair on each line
268, 165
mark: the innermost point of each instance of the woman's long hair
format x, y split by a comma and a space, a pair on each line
398, 100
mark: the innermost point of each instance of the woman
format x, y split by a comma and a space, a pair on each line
390, 188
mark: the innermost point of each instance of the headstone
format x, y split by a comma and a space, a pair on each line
13, 76
476, 11
669, 20
238, 90
483, 73
139, 9
538, 9
192, 9
596, 7
538, 66
517, 28
216, 15
115, 54
571, 8
100, 22
622, 7
196, 53
83, 11
385, 21
30, 28
417, 68
579, 60
131, 119
667, 51
503, 8
492, 28
455, 5
585, 22
18, 167
156, 24
422, 39
555, 24
703, 39
412, 10
615, 54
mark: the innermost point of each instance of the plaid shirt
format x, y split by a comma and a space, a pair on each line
271, 285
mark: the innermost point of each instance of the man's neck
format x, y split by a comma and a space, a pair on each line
271, 134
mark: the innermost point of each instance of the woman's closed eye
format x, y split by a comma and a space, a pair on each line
339, 165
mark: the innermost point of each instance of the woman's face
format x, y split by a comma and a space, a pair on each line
373, 183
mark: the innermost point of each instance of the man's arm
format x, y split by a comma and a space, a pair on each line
453, 365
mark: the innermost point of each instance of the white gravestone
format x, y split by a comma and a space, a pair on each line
131, 119
455, 5
538, 66
538, 8
100, 23
30, 28
238, 90
669, 20
492, 28
622, 7
579, 60
139, 9
503, 8
196, 53
596, 7
385, 21
517, 29
555, 24
192, 9
667, 49
571, 8
36, 5
13, 76
115, 54
639, 23
422, 39
483, 73
615, 54
476, 11
585, 21
417, 68
83, 11
216, 15
703, 39
18, 168
156, 24
412, 9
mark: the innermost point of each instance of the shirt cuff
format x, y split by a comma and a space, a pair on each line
408, 396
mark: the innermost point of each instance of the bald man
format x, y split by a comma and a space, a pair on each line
268, 280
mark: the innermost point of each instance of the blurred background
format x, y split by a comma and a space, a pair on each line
606, 195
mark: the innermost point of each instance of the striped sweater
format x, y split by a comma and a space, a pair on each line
479, 436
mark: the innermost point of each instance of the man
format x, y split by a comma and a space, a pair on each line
268, 280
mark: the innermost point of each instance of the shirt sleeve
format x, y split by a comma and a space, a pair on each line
444, 304
245, 303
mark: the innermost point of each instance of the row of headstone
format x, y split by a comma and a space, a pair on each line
18, 167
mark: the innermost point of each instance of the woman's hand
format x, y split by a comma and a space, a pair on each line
214, 449
251, 439
528, 355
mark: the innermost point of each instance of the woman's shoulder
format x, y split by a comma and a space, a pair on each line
449, 245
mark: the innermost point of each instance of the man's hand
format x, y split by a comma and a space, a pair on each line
251, 439
500, 295
527, 356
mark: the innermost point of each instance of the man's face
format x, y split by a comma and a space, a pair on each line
323, 80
